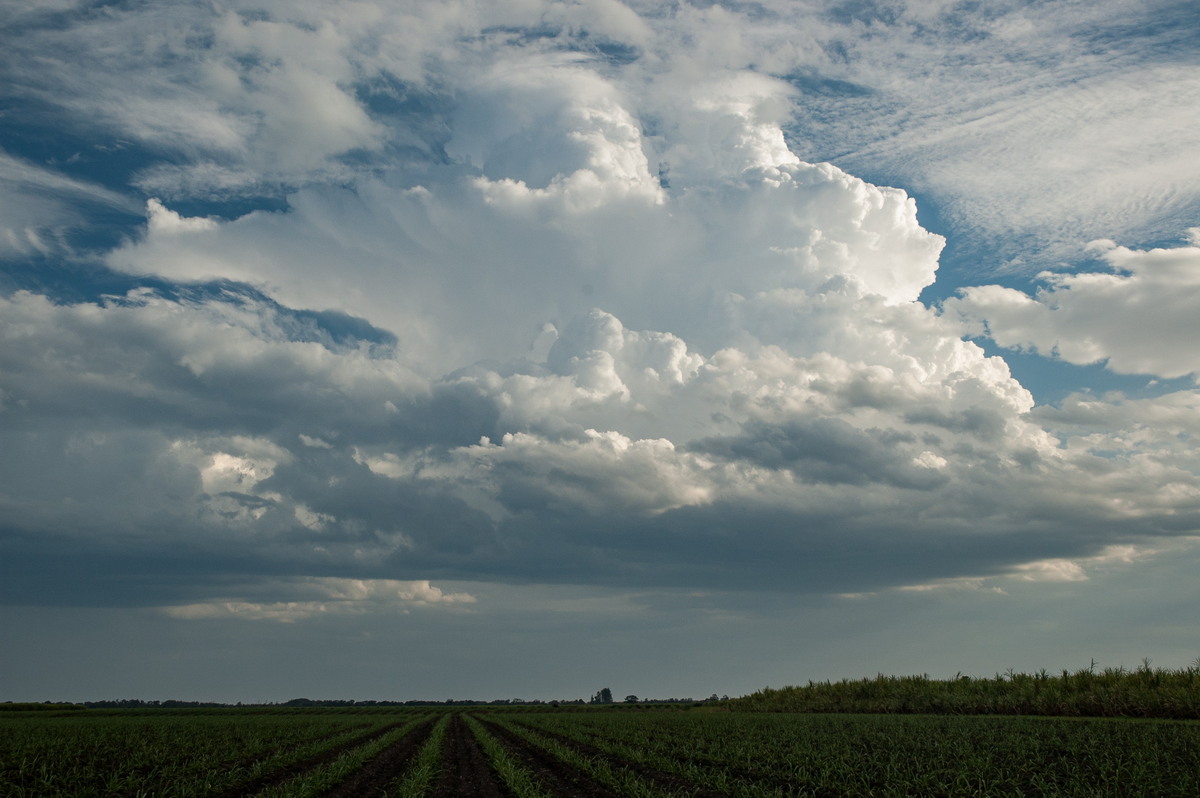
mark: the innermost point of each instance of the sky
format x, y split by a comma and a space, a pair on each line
405, 350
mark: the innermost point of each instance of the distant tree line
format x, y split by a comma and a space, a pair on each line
605, 696
601, 697
137, 703
1143, 692
33, 706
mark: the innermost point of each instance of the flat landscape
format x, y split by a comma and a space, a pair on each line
618, 750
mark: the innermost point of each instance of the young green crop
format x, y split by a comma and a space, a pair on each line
519, 781
319, 780
756, 754
622, 780
634, 753
426, 767
171, 754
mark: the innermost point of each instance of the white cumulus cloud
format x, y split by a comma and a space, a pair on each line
1139, 317
323, 596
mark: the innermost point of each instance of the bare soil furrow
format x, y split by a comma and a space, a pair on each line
377, 775
465, 769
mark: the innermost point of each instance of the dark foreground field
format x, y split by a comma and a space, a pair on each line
615, 751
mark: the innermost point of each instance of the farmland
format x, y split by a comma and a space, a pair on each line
586, 751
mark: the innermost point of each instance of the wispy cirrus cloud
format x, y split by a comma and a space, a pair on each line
1023, 121
40, 206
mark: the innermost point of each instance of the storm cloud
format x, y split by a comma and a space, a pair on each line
360, 309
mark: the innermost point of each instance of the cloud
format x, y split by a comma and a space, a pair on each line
274, 95
1052, 571
415, 242
827, 450
822, 412
40, 207
554, 298
985, 109
602, 471
165, 222
551, 134
1138, 318
1032, 126
1020, 153
333, 597
248, 97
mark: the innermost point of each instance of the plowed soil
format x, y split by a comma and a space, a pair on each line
465, 769
376, 776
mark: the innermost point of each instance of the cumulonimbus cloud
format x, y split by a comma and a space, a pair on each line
575, 326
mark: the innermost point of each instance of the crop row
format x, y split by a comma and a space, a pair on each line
742, 754
414, 754
167, 755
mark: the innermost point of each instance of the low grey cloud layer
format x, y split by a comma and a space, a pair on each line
557, 295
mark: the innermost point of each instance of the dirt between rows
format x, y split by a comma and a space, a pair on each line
377, 775
464, 766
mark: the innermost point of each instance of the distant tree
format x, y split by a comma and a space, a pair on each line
603, 697
630, 699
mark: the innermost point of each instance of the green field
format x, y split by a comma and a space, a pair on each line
618, 750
